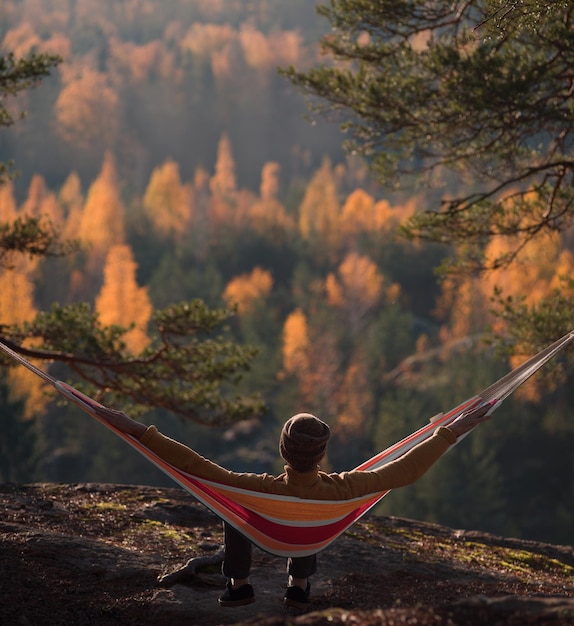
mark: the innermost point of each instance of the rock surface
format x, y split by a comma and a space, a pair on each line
93, 554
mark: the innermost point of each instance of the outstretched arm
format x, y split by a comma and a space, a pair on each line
121, 421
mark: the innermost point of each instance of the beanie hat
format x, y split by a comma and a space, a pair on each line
303, 441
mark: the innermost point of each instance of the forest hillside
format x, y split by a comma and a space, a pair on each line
167, 144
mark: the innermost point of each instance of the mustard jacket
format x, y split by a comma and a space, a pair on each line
314, 485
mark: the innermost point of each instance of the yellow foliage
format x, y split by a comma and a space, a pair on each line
265, 53
102, 223
564, 268
361, 213
269, 181
319, 210
134, 59
121, 301
357, 214
296, 343
462, 315
167, 202
72, 201
41, 202
356, 400
334, 291
267, 215
8, 210
393, 292
16, 307
37, 192
532, 275
21, 40
244, 290
223, 181
57, 44
204, 40
16, 296
255, 47
87, 109
360, 279
223, 185
464, 306
533, 270
270, 217
357, 287
387, 218
222, 63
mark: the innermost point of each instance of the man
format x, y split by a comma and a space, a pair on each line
302, 445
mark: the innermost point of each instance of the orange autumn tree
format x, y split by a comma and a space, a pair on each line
356, 402
356, 288
295, 343
358, 214
362, 214
246, 289
466, 300
17, 307
8, 208
71, 199
266, 52
267, 214
533, 271
167, 201
41, 202
463, 306
541, 267
223, 185
311, 356
121, 301
319, 209
102, 223
87, 109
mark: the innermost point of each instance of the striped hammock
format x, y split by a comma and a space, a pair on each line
291, 526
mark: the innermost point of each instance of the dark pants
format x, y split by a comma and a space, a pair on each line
237, 560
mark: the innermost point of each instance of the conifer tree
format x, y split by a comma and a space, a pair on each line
102, 224
245, 289
8, 208
71, 200
474, 92
167, 201
17, 306
319, 210
42, 203
295, 343
356, 289
267, 215
223, 185
87, 109
121, 301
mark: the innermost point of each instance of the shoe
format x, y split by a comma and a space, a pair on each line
237, 597
296, 597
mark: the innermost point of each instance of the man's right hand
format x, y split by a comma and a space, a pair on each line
467, 421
